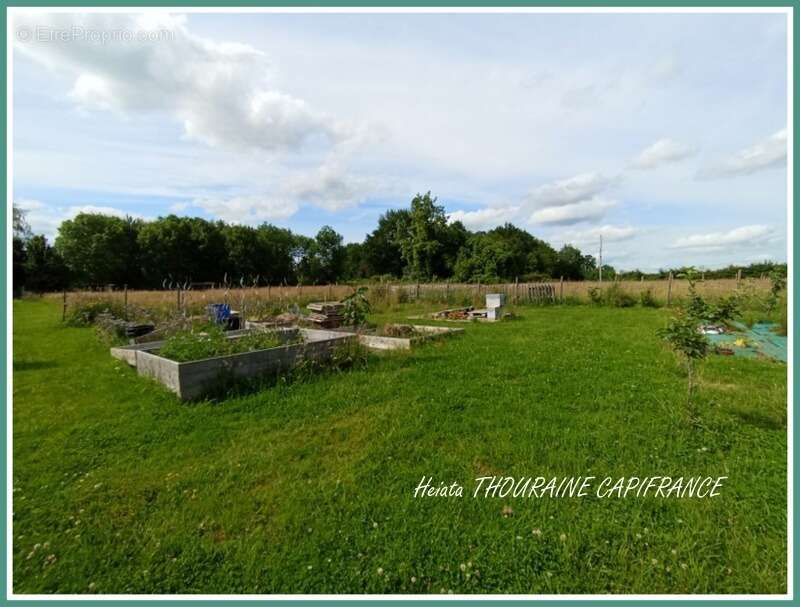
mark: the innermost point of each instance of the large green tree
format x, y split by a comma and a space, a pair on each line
281, 252
182, 249
574, 265
382, 252
504, 254
100, 249
322, 258
422, 240
44, 268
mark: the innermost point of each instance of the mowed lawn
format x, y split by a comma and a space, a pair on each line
307, 487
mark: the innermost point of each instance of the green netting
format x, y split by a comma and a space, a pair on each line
760, 340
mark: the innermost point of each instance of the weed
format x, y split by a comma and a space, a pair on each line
84, 313
647, 299
212, 341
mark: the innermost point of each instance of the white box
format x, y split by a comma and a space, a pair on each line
495, 300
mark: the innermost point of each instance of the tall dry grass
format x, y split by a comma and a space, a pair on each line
266, 301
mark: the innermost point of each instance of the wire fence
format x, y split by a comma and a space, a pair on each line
270, 300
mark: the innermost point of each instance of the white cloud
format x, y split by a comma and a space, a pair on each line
248, 209
610, 233
771, 152
745, 236
568, 214
484, 219
220, 92
572, 190
179, 207
46, 219
332, 186
663, 151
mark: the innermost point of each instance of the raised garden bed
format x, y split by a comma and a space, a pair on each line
401, 336
192, 379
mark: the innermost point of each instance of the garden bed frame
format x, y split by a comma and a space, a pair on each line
192, 379
385, 342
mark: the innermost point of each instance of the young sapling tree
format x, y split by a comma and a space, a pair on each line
356, 308
684, 337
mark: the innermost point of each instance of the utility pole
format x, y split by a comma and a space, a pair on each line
600, 261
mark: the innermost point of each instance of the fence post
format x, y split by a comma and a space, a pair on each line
178, 292
417, 293
64, 307
241, 306
126, 301
516, 289
669, 290
561, 289
738, 277
328, 296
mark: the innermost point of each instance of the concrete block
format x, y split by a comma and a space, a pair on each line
494, 314
382, 342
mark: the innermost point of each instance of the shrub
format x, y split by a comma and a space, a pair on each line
84, 314
348, 355
647, 300
617, 297
724, 311
356, 308
595, 295
778, 284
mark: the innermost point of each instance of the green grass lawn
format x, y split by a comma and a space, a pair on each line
308, 486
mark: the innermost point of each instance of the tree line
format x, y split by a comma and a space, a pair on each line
417, 243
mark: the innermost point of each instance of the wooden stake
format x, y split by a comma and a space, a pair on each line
126, 301
738, 277
561, 289
241, 311
64, 307
516, 289
669, 290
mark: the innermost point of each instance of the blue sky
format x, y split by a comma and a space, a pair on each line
665, 133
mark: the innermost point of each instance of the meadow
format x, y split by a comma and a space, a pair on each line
307, 486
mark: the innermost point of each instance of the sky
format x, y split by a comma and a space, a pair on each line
664, 133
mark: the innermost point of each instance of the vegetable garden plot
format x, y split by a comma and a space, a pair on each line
192, 379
